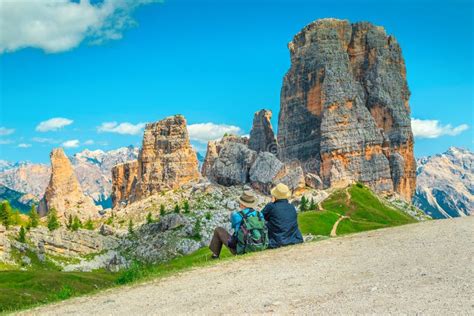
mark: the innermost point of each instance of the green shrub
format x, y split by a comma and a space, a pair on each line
33, 217
22, 235
359, 185
15, 218
208, 216
69, 222
149, 218
186, 206
65, 292
197, 230
162, 210
136, 271
89, 225
53, 222
177, 208
130, 227
303, 204
312, 205
76, 224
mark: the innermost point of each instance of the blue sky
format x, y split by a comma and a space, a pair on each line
213, 61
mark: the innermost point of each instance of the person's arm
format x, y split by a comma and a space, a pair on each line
266, 211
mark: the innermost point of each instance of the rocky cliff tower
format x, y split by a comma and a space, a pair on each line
344, 107
64, 192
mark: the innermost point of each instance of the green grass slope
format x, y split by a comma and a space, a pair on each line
364, 209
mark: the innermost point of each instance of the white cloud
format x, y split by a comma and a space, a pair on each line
23, 145
433, 128
122, 128
5, 141
45, 140
60, 25
53, 124
89, 142
6, 131
73, 143
204, 132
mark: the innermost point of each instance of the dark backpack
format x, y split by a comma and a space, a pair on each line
253, 234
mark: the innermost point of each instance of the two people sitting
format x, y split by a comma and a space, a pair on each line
275, 226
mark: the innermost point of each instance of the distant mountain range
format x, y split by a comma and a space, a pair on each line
445, 184
93, 169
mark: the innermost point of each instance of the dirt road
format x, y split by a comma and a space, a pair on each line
422, 268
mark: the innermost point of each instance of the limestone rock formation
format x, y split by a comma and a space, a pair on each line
262, 137
232, 165
344, 107
124, 178
213, 149
64, 192
445, 184
166, 161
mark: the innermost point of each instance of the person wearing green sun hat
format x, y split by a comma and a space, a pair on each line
281, 219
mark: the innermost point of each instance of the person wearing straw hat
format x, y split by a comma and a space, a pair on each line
247, 202
281, 219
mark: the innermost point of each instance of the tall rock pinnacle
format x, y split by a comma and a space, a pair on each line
64, 192
166, 161
344, 107
262, 137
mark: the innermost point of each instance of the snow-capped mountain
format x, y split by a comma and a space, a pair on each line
92, 167
445, 184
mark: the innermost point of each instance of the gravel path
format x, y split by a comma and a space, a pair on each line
424, 268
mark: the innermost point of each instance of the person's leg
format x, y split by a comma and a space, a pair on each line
220, 237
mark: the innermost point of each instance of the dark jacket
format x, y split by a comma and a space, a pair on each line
282, 224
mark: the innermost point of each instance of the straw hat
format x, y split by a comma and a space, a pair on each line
248, 199
281, 192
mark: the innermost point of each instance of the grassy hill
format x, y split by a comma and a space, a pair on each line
365, 211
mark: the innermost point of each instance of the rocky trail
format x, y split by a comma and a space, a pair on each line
423, 268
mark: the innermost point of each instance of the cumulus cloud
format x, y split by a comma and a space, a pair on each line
60, 25
122, 128
53, 124
73, 143
204, 132
23, 145
6, 131
434, 129
89, 142
5, 141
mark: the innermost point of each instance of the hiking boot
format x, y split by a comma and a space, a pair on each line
214, 256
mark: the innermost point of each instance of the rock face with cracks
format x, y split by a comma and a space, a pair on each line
166, 161
64, 192
262, 137
344, 107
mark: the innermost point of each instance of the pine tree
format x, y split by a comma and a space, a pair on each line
303, 204
130, 227
76, 224
149, 218
312, 205
162, 210
5, 214
186, 206
34, 217
69, 222
15, 218
22, 234
53, 222
176, 208
89, 225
